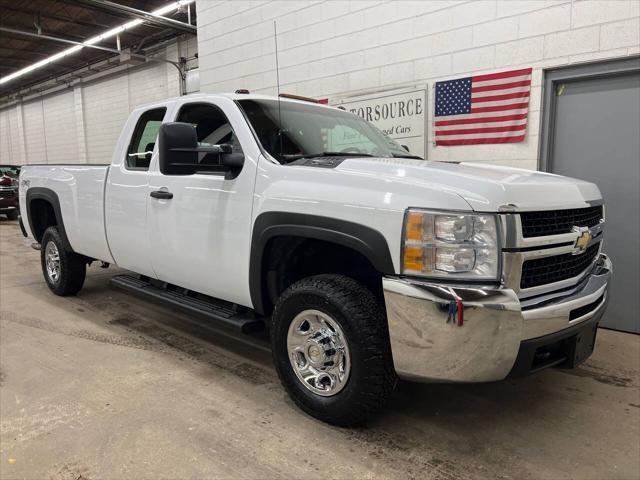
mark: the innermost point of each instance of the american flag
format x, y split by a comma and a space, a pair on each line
488, 108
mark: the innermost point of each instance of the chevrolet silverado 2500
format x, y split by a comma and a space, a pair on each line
366, 264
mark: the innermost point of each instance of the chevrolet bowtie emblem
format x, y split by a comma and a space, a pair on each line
583, 240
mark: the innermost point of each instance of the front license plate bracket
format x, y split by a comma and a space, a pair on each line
579, 347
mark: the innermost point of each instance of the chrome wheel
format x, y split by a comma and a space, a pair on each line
318, 352
52, 262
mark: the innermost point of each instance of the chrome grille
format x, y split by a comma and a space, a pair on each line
544, 264
542, 271
554, 222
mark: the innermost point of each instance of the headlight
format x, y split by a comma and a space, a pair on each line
451, 245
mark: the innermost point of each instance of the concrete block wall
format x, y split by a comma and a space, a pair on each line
34, 133
12, 147
337, 47
60, 125
106, 106
81, 124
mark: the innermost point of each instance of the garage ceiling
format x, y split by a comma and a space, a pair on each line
29, 28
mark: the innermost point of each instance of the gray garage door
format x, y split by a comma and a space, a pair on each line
594, 134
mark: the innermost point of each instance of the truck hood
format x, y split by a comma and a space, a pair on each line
486, 188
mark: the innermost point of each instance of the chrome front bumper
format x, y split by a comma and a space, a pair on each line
445, 333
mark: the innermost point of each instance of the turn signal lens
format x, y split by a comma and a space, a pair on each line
413, 259
450, 245
414, 226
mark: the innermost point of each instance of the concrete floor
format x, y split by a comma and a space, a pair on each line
104, 385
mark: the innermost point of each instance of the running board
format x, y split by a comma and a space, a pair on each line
224, 313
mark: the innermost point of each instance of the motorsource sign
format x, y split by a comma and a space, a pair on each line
399, 114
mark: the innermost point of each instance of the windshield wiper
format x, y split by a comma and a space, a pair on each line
415, 157
324, 154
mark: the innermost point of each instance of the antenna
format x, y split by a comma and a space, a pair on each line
275, 41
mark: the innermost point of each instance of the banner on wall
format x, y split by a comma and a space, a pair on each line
481, 109
399, 114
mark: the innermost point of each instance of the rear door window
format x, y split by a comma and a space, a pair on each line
143, 139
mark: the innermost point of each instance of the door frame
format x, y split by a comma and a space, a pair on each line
553, 76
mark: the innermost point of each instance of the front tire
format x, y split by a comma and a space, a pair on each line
63, 270
330, 345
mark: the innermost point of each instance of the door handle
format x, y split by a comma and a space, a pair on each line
163, 194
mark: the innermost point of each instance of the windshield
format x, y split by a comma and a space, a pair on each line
307, 130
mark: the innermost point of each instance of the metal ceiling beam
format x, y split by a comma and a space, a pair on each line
62, 80
65, 19
62, 40
23, 50
11, 63
53, 82
115, 8
177, 65
15, 61
69, 36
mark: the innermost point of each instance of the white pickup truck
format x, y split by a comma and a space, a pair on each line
364, 263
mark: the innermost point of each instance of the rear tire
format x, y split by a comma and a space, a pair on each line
63, 270
344, 317
12, 215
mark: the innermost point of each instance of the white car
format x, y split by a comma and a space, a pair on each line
365, 263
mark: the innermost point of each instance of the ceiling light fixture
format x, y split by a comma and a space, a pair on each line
93, 40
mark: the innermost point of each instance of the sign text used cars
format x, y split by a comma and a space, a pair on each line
399, 114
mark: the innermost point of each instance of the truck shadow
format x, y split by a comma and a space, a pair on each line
248, 357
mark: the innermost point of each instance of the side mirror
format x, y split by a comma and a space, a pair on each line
176, 148
233, 163
179, 150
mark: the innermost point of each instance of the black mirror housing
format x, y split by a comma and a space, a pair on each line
177, 144
179, 151
233, 162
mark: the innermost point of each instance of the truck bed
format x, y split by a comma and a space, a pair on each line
80, 192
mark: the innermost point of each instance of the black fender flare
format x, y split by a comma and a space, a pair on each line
361, 238
41, 193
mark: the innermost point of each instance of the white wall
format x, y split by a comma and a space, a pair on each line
34, 133
334, 48
106, 106
60, 126
81, 124
11, 138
